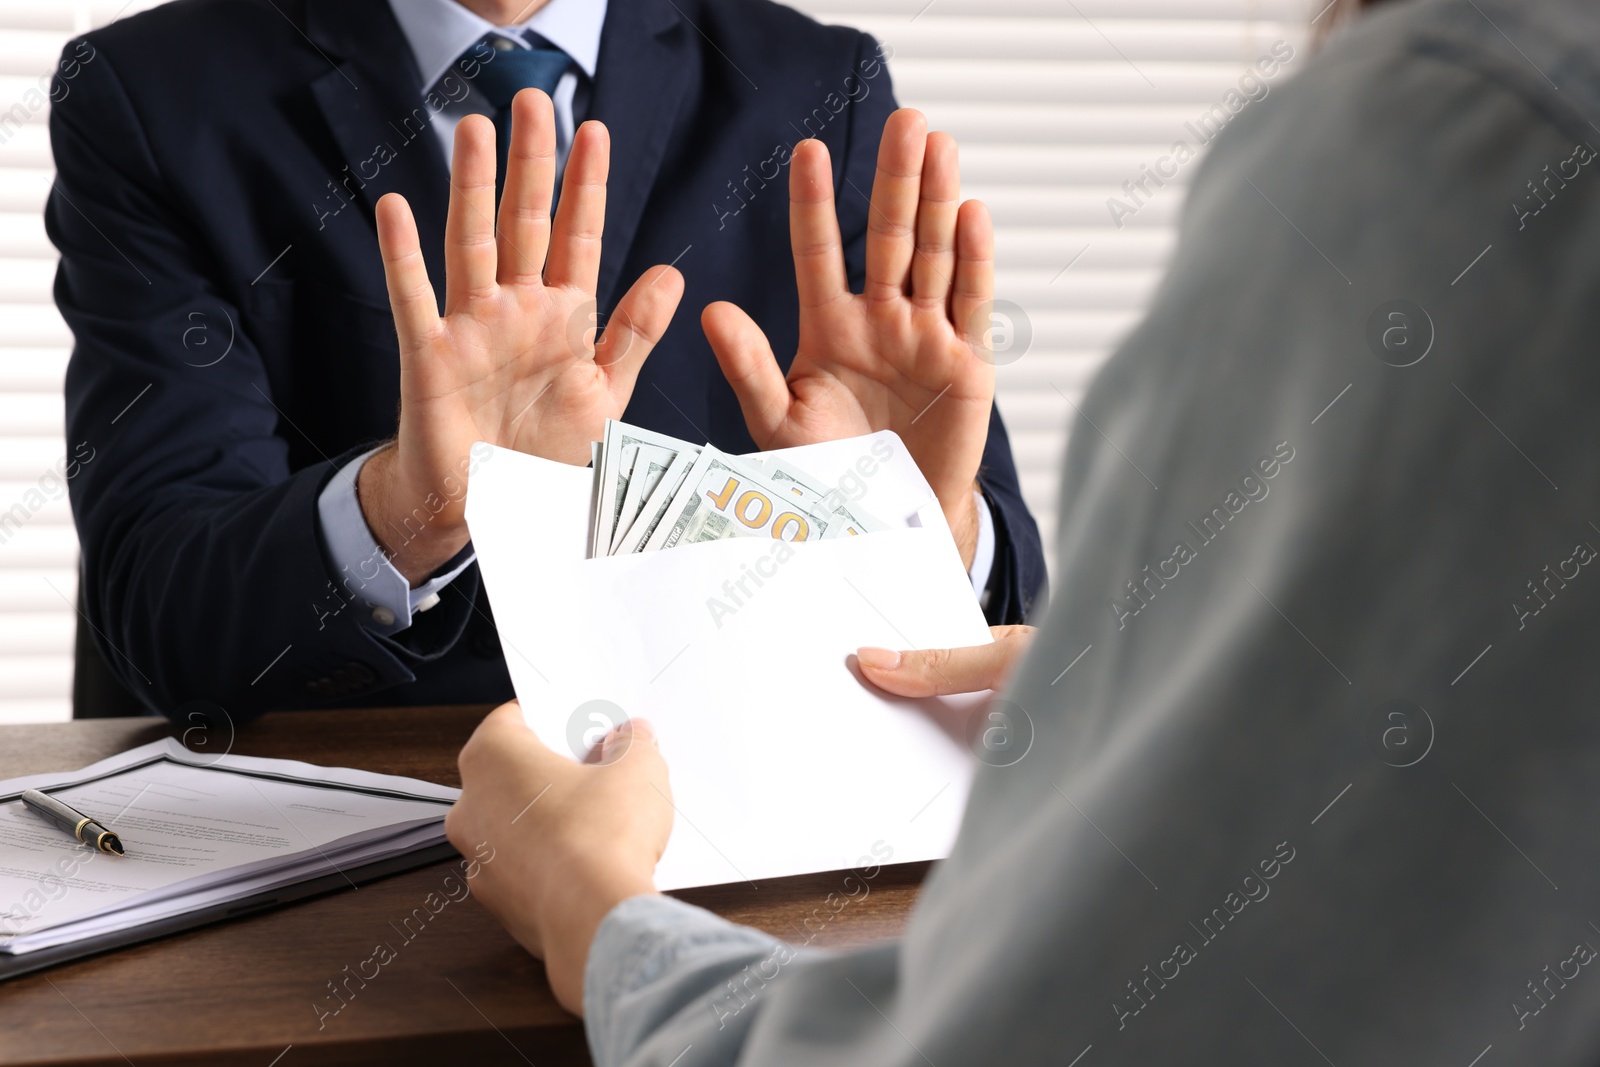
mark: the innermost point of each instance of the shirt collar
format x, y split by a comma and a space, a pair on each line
438, 31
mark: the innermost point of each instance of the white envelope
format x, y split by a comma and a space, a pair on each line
741, 654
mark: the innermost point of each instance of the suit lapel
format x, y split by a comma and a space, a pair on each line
367, 104
643, 72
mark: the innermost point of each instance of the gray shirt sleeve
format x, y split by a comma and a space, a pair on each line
1321, 785
670, 983
661, 971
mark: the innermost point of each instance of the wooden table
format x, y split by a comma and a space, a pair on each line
243, 992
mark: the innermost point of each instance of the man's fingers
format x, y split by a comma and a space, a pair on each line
945, 671
411, 299
747, 362
469, 246
892, 216
933, 267
634, 328
530, 180
581, 219
814, 227
972, 297
933, 672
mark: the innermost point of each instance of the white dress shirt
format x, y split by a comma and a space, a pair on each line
439, 32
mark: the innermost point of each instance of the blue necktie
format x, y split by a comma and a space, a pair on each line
512, 70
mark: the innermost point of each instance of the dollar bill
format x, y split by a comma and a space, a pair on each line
594, 498
656, 506
852, 519
723, 497
618, 452
653, 491
649, 464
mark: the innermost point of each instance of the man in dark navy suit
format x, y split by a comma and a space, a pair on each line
262, 528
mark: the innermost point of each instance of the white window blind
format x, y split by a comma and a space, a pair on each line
1056, 104
38, 551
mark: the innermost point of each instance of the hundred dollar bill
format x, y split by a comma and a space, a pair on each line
594, 496
618, 451
723, 497
656, 506
649, 464
853, 520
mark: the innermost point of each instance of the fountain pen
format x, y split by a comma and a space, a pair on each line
73, 822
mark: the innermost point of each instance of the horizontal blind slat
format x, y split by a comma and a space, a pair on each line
37, 589
30, 16
37, 632
1087, 83
44, 709
1037, 164
37, 676
32, 326
26, 146
30, 53
27, 542
32, 370
26, 458
1026, 121
22, 236
32, 414
1072, 40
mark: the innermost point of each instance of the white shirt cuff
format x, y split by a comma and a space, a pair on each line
380, 594
983, 556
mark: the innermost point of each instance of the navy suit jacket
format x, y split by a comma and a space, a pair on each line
218, 162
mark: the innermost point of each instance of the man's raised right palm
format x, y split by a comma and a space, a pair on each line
513, 361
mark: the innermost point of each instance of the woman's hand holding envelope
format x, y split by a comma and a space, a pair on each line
909, 354
513, 361
570, 840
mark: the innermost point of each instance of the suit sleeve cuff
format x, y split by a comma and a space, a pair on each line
386, 599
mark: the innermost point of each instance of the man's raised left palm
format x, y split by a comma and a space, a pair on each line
908, 354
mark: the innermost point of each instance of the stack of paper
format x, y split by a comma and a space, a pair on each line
740, 649
199, 831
